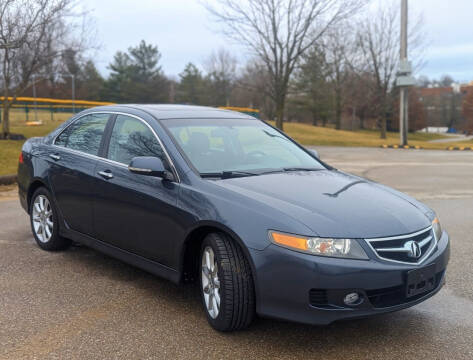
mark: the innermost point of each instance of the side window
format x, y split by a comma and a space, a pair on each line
85, 134
131, 138
61, 139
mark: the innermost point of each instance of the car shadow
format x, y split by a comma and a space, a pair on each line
406, 328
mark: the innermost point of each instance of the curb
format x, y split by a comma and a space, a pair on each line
461, 148
7, 179
417, 147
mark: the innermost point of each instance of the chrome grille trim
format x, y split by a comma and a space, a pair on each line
383, 253
400, 236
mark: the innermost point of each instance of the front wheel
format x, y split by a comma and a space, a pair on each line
44, 222
227, 288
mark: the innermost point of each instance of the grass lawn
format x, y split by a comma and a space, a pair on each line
10, 149
303, 133
316, 135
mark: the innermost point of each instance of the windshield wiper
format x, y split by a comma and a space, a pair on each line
300, 169
274, 135
237, 173
228, 174
288, 169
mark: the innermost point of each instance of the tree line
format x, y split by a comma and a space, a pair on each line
136, 76
323, 62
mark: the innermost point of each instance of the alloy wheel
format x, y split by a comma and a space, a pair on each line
43, 222
210, 282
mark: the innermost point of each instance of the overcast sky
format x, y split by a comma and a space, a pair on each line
184, 31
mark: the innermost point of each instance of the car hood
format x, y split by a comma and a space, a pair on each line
334, 204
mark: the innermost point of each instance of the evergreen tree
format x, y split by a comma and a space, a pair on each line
93, 82
192, 87
313, 87
136, 77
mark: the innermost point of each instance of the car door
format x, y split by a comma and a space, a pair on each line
73, 158
135, 212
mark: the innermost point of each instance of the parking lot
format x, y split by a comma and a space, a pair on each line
82, 304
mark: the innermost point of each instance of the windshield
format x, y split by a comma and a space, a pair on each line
216, 146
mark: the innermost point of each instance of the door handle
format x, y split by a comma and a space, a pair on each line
54, 157
106, 174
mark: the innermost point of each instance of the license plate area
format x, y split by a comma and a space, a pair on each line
420, 281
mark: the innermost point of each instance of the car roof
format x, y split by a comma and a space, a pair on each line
171, 111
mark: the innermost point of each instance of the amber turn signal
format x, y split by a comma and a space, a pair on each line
291, 241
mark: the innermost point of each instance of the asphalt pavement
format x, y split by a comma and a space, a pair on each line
80, 304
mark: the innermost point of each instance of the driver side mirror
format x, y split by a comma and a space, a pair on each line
314, 153
150, 166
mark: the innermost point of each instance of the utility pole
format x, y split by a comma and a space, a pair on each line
404, 100
73, 94
404, 78
34, 96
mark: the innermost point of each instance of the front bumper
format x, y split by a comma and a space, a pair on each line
284, 290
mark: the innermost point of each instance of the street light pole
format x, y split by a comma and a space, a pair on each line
34, 96
73, 94
404, 92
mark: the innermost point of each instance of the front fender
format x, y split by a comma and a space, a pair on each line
247, 219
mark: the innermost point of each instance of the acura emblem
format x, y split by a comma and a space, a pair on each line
414, 250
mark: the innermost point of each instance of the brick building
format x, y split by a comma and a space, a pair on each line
443, 105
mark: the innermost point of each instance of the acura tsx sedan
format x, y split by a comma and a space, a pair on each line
214, 196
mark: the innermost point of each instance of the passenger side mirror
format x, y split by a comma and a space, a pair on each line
150, 166
314, 152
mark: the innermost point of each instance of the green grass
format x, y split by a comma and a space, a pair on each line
316, 135
10, 149
303, 133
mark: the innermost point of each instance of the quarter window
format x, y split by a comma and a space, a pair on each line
131, 138
85, 134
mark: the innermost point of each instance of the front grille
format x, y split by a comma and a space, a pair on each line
411, 248
392, 296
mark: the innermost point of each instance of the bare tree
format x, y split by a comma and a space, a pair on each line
278, 32
33, 33
378, 40
339, 51
221, 68
446, 80
359, 96
251, 88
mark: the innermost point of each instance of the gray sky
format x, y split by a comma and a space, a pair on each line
184, 31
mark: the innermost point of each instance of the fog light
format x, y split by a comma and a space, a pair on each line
351, 298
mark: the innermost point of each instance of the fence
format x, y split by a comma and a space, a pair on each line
30, 107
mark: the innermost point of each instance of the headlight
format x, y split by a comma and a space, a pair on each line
437, 229
342, 248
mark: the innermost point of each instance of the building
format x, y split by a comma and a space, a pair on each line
443, 105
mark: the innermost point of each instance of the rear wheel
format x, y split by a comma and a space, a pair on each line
44, 222
227, 288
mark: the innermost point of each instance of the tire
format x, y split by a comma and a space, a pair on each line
230, 280
44, 222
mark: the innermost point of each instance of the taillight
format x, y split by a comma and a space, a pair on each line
20, 160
